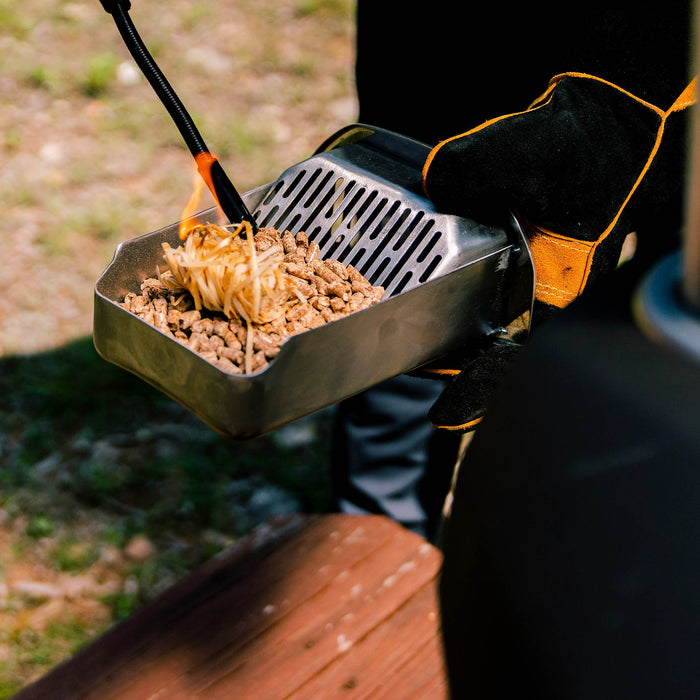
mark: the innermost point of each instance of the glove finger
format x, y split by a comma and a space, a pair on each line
567, 164
462, 404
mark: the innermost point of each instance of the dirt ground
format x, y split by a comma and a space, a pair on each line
89, 157
104, 497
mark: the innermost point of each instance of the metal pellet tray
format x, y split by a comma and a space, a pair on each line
448, 280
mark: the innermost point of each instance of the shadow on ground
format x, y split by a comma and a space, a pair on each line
75, 425
110, 492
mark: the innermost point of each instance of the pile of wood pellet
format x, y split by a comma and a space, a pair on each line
324, 290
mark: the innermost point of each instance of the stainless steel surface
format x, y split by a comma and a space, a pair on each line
349, 201
660, 313
448, 279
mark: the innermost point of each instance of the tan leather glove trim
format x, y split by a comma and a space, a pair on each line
441, 372
561, 263
470, 425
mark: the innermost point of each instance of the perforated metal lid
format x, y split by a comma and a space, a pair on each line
344, 200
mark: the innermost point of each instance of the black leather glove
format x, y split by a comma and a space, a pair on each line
587, 164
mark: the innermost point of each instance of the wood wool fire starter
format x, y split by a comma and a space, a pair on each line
235, 298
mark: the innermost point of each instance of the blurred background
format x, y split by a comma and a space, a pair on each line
109, 491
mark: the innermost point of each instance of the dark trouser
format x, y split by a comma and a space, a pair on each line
388, 459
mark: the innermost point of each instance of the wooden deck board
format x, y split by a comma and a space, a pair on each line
253, 603
395, 643
320, 607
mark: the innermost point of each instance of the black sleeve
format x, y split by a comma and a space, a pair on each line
438, 71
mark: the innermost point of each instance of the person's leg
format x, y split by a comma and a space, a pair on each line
388, 459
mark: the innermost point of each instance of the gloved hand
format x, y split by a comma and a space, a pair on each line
584, 166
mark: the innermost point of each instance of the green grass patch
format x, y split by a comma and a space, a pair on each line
73, 555
60, 400
122, 605
332, 8
40, 526
8, 687
32, 650
72, 635
13, 138
100, 73
73, 387
13, 21
196, 13
46, 78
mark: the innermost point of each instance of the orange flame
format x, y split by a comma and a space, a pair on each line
202, 177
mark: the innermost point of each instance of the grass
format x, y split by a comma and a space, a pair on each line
100, 73
37, 651
40, 526
46, 78
90, 456
9, 687
196, 13
72, 405
12, 21
73, 554
71, 394
83, 470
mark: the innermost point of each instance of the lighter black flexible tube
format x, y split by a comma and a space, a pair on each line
158, 81
226, 194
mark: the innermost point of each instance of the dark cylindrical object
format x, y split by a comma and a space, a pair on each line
226, 194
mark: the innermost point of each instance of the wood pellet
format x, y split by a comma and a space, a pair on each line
325, 290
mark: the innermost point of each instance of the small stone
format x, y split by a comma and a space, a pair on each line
139, 548
128, 73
